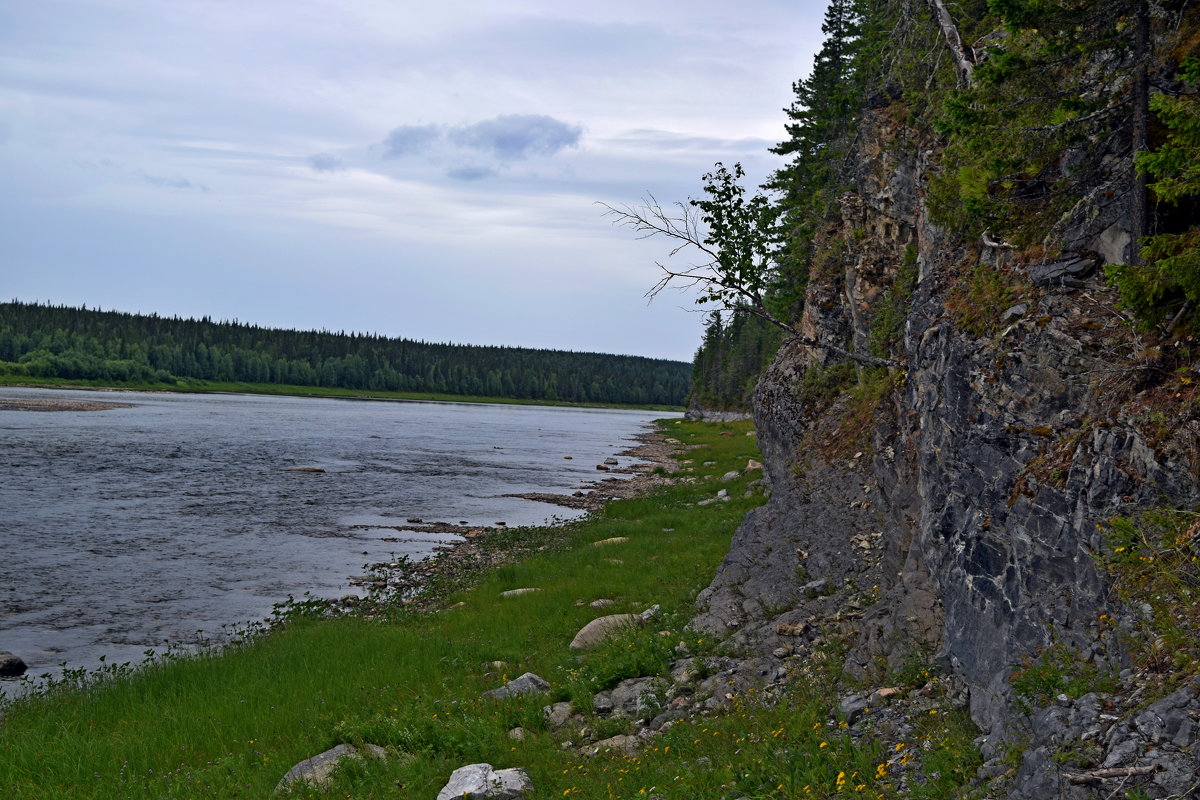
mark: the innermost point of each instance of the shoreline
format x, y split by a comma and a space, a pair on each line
289, 390
423, 585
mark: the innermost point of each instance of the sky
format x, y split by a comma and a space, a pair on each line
425, 170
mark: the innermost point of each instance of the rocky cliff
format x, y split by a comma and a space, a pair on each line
956, 506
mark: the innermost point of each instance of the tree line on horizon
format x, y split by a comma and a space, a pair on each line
45, 341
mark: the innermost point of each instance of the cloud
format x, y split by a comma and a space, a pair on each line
325, 162
410, 139
470, 173
518, 136
172, 183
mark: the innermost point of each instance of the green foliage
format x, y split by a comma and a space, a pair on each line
634, 653
1153, 561
731, 357
1058, 669
977, 303
738, 231
43, 341
819, 386
887, 324
1023, 138
1170, 274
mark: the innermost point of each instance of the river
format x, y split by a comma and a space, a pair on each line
128, 529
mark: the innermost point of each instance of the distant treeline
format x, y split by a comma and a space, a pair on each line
45, 341
735, 351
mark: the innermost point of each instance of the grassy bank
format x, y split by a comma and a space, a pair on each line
230, 724
210, 387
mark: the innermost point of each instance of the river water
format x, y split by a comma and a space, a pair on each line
128, 529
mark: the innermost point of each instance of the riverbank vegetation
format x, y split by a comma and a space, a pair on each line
230, 723
42, 342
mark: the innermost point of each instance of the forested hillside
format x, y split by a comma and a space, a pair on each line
732, 355
43, 341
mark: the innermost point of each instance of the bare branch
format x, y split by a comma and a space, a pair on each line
963, 59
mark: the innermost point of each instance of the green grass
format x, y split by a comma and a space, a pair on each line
190, 386
230, 724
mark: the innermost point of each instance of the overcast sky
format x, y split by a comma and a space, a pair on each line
427, 170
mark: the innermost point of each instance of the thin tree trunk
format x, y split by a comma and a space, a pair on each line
963, 60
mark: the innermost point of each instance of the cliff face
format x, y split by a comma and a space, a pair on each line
951, 508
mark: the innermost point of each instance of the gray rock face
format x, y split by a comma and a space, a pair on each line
481, 782
525, 684
1083, 736
1064, 272
10, 665
988, 473
318, 770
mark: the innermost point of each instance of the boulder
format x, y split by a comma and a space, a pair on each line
481, 781
732, 475
851, 708
526, 684
603, 628
638, 698
1064, 272
558, 714
621, 744
318, 769
10, 665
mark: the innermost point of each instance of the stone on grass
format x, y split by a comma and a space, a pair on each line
558, 714
518, 592
319, 769
852, 707
637, 698
651, 612
621, 744
603, 628
10, 665
603, 602
525, 684
732, 475
613, 540
518, 734
481, 782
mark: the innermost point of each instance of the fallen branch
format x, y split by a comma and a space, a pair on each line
1095, 776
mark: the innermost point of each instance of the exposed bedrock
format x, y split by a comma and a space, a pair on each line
959, 518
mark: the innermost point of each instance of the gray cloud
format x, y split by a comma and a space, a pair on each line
470, 173
172, 183
518, 136
325, 162
410, 139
